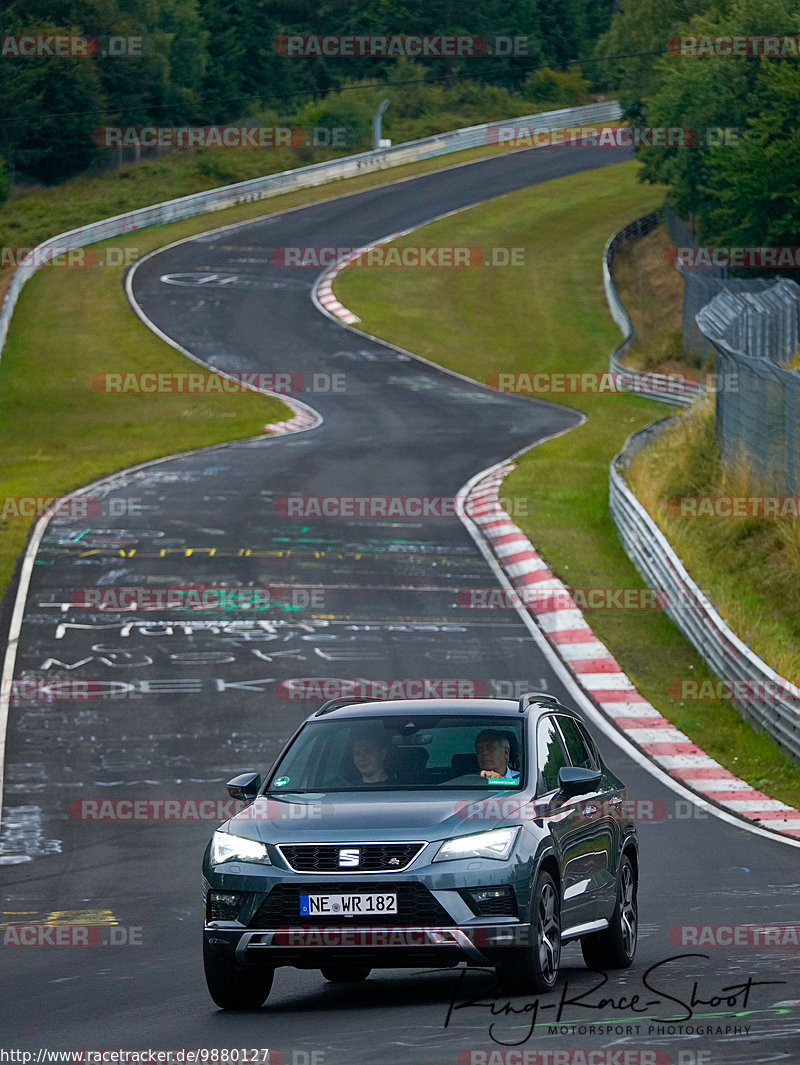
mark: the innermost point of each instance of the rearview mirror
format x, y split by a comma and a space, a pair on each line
577, 781
245, 787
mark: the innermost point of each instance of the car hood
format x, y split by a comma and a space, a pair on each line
345, 815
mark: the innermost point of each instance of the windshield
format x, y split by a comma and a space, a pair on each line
365, 754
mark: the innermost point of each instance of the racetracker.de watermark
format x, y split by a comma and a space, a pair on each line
689, 689
394, 256
644, 811
198, 597
402, 507
733, 506
606, 1056
220, 137
542, 601
586, 382
197, 382
743, 935
509, 135
389, 46
13, 256
728, 45
54, 689
739, 257
302, 689
68, 507
71, 935
212, 810
70, 46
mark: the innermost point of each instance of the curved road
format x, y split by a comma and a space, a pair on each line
198, 697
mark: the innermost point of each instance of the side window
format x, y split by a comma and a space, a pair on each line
550, 755
579, 755
591, 746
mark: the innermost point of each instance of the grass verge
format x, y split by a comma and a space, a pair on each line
748, 566
652, 294
551, 315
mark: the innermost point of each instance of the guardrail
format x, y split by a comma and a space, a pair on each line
668, 388
274, 184
778, 712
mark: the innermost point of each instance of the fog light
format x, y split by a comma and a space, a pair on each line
223, 905
493, 901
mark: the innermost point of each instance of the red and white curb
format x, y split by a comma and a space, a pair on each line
324, 291
303, 418
600, 675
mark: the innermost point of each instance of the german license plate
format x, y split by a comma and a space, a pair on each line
347, 905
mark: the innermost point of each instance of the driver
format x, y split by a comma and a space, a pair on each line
492, 749
370, 750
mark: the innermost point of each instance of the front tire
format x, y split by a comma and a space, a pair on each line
533, 969
234, 988
615, 946
345, 974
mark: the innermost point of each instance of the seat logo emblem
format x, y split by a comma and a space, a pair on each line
349, 857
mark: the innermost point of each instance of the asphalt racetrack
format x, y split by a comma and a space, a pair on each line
188, 699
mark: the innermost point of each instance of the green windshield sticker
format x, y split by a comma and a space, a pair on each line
503, 781
280, 781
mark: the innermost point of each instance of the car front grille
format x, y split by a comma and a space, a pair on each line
415, 905
372, 857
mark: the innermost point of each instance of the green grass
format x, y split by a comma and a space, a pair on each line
749, 566
56, 433
551, 315
652, 293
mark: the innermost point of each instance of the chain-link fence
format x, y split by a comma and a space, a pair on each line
701, 285
758, 400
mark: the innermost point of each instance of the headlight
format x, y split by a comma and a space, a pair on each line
496, 844
228, 848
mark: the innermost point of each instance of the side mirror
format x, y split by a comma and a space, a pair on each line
245, 787
576, 781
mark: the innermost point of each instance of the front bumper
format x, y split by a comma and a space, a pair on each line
392, 947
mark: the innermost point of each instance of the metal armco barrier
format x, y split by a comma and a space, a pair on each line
653, 385
686, 604
303, 177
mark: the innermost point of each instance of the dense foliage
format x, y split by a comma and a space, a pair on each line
213, 61
740, 183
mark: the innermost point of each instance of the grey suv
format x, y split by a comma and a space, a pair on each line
422, 834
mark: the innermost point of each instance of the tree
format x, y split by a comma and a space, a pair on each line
742, 110
751, 195
641, 30
50, 107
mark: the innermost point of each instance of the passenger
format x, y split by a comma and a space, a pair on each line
492, 750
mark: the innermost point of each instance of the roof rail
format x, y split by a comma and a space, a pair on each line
337, 704
529, 698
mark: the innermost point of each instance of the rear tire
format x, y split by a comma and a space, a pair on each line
234, 988
533, 969
615, 946
345, 974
